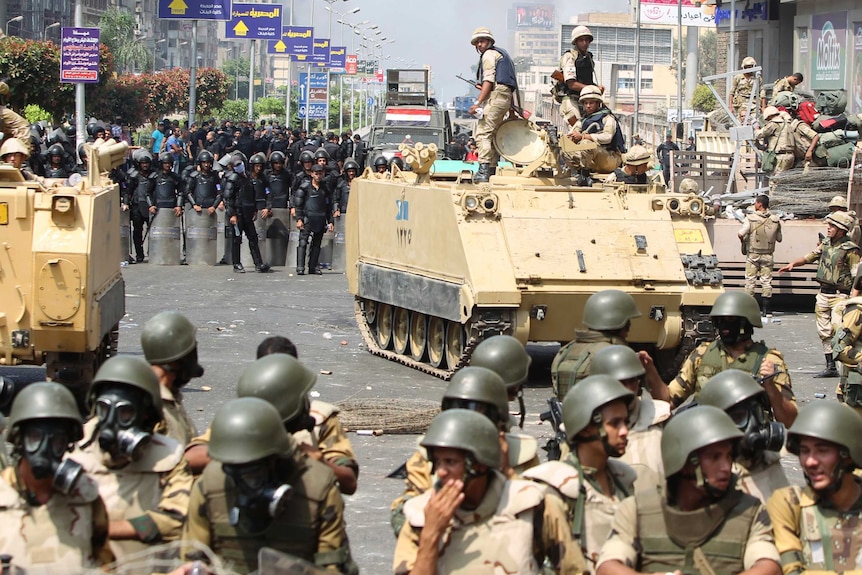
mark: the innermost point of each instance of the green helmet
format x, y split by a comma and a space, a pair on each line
609, 309
279, 379
480, 385
729, 388
830, 421
467, 430
45, 400
737, 304
591, 393
168, 336
248, 429
618, 361
504, 355
693, 429
132, 371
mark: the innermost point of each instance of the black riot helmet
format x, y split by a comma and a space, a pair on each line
306, 157
276, 158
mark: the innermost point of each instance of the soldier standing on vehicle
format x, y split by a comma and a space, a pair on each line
758, 234
816, 527
313, 218
141, 187
592, 480
600, 136
475, 517
785, 84
261, 491
741, 88
778, 155
11, 124
497, 83
576, 71
51, 516
703, 523
734, 315
758, 461
837, 257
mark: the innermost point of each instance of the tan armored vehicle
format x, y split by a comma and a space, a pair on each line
61, 291
437, 263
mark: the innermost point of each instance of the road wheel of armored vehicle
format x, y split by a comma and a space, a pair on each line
454, 344
370, 309
436, 336
400, 330
418, 335
383, 330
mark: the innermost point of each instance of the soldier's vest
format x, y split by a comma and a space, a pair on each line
56, 172
279, 188
763, 478
50, 539
505, 74
764, 233
167, 188
849, 374
670, 538
261, 189
584, 66
572, 362
833, 270
206, 188
496, 538
713, 362
294, 532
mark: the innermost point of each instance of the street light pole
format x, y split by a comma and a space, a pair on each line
45, 32
15, 19
155, 46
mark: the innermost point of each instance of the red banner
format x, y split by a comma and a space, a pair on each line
350, 64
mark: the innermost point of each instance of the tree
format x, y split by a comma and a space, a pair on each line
703, 100
237, 74
707, 51
118, 33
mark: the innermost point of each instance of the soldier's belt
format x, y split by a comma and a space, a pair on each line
832, 290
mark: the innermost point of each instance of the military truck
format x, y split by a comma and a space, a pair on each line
437, 264
61, 291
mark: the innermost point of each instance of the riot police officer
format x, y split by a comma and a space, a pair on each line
351, 171
139, 198
260, 491
55, 167
168, 190
240, 212
260, 183
279, 181
303, 174
313, 217
203, 187
381, 165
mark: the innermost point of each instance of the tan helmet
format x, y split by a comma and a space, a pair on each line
481, 32
580, 32
838, 202
592, 93
749, 62
841, 220
13, 145
770, 111
637, 156
688, 186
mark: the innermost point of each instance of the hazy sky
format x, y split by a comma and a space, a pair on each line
433, 32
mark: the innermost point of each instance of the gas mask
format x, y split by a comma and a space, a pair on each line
188, 369
759, 433
732, 330
43, 443
260, 497
118, 431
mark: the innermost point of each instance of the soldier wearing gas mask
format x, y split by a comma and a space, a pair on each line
52, 519
260, 491
142, 476
171, 348
757, 463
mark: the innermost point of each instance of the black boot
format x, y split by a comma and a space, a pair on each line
259, 266
300, 260
766, 309
831, 370
482, 174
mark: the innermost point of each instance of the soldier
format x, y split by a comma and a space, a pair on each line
816, 527
757, 463
15, 153
475, 519
591, 480
496, 81
381, 165
847, 348
839, 204
663, 152
734, 316
351, 171
52, 519
576, 71
260, 491
171, 348
837, 257
508, 358
778, 155
785, 84
313, 218
142, 476
139, 198
607, 317
741, 88
11, 124
647, 416
203, 189
635, 168
703, 523
758, 234
240, 212
360, 151
600, 136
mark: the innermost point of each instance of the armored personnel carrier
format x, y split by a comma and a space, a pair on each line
438, 263
61, 291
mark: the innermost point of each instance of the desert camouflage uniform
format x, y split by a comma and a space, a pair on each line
495, 108
761, 230
762, 478
152, 492
835, 272
643, 452
601, 159
176, 423
584, 502
780, 85
779, 139
569, 106
499, 536
650, 535
14, 126
815, 537
740, 90
847, 348
311, 527
699, 367
572, 362
68, 534
803, 135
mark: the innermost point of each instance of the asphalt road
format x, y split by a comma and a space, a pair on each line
234, 312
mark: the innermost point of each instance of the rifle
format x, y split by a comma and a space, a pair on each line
471, 82
555, 416
525, 114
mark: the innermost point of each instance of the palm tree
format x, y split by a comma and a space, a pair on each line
118, 33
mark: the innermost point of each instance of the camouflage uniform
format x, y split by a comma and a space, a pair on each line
762, 478
643, 452
740, 90
651, 535
780, 85
14, 126
569, 107
311, 527
815, 537
572, 362
779, 139
761, 230
847, 348
710, 358
835, 272
498, 104
499, 536
176, 423
600, 159
585, 503
803, 135
152, 492
65, 535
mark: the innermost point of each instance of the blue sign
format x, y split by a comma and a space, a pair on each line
295, 40
369, 102
194, 9
337, 56
79, 55
403, 210
316, 111
255, 22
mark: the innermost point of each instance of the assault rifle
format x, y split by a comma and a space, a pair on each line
555, 416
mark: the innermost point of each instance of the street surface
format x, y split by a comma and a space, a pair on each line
234, 312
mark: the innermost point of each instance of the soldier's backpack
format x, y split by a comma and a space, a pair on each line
831, 102
786, 100
835, 149
826, 123
807, 112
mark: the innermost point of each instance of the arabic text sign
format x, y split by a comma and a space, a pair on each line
828, 50
316, 111
667, 13
295, 40
337, 56
313, 88
79, 55
255, 22
194, 9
